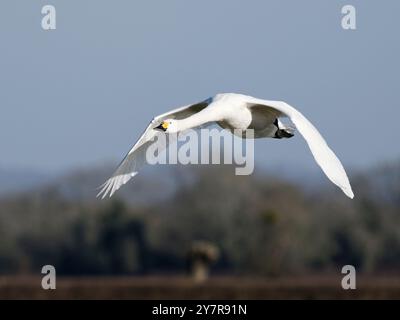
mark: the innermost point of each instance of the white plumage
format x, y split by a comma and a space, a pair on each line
232, 111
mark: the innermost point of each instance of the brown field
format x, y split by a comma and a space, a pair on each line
177, 287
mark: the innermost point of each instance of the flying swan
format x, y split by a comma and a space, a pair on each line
232, 111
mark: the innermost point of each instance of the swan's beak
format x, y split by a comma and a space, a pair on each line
163, 126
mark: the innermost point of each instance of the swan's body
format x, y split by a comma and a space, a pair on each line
233, 111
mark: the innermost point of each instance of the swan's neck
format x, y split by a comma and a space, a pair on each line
199, 119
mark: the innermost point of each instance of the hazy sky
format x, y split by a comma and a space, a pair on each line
82, 94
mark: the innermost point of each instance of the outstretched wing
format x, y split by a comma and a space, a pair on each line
323, 155
135, 158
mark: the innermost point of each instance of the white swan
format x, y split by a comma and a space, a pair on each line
232, 111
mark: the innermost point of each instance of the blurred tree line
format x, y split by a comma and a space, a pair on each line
260, 224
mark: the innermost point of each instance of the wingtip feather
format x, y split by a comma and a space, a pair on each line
349, 192
114, 184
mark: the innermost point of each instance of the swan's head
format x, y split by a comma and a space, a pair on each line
168, 126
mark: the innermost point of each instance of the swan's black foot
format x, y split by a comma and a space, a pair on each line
284, 132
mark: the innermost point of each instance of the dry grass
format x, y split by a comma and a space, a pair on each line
184, 288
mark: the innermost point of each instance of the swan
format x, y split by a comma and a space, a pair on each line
232, 111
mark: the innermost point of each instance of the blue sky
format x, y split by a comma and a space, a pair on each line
82, 94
